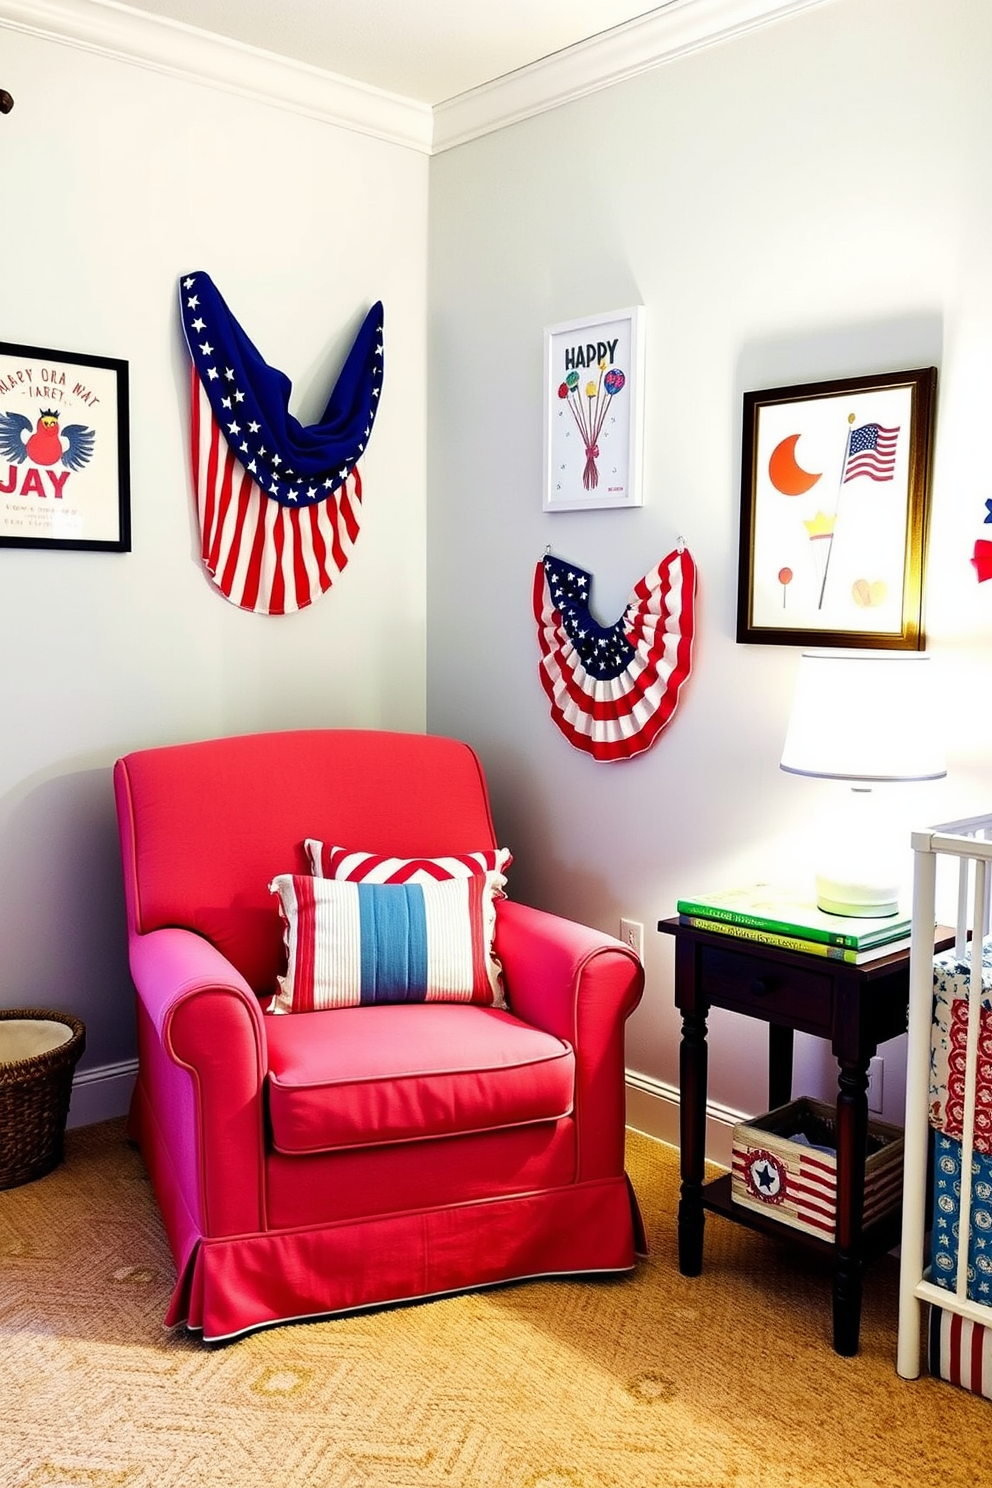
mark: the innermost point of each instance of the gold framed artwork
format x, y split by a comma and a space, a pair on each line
835, 488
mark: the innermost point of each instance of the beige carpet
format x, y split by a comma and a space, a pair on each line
724, 1381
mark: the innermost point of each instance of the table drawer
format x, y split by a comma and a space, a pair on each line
749, 984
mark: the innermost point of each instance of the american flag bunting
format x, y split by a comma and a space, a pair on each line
614, 688
278, 502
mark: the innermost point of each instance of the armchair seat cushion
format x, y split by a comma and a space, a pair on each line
366, 1076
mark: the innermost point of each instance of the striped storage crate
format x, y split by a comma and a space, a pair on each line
778, 1173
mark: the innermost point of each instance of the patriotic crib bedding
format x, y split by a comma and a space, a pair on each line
949, 1046
948, 1079
949, 1109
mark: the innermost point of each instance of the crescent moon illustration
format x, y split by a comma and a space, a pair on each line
785, 474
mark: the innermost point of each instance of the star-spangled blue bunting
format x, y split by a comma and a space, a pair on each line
297, 465
604, 651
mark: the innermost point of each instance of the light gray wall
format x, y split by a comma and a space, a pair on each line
810, 201
118, 179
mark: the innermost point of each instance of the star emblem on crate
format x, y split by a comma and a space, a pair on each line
766, 1177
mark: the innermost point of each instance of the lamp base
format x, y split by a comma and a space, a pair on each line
859, 897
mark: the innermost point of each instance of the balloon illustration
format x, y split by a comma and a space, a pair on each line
785, 579
590, 416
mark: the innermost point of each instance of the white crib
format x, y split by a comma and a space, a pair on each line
956, 855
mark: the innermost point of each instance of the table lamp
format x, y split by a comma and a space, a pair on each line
863, 717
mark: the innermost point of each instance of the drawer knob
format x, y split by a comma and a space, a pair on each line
760, 987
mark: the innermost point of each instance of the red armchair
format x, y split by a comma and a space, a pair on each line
323, 1161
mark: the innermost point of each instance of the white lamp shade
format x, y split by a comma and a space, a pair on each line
864, 715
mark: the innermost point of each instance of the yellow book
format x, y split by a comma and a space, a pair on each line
796, 942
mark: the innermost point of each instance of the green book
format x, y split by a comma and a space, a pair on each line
797, 942
787, 912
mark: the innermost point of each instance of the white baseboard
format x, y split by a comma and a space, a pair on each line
653, 1108
102, 1093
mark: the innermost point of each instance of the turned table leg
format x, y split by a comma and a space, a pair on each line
692, 1135
852, 1143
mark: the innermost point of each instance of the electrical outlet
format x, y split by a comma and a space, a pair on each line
632, 934
876, 1068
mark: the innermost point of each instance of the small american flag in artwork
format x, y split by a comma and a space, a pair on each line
871, 451
278, 502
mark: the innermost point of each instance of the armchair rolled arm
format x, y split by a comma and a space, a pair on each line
557, 970
203, 1050
580, 985
171, 964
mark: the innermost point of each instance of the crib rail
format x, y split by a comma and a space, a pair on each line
963, 845
962, 850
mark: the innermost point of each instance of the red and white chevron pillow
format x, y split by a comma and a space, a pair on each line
364, 867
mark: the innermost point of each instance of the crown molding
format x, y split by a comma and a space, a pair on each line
673, 30
166, 46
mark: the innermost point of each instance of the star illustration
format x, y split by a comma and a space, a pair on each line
765, 1177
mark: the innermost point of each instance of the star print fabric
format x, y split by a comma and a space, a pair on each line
946, 1220
948, 1062
295, 463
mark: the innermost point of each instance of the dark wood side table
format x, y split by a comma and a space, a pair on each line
856, 1008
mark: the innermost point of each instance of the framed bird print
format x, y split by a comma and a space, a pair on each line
835, 489
593, 411
64, 452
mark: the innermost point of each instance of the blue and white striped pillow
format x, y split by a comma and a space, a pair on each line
357, 944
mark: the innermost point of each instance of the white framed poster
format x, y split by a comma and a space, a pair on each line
594, 411
64, 450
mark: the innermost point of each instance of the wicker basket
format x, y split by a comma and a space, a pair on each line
38, 1053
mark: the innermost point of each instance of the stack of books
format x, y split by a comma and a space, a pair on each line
782, 917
